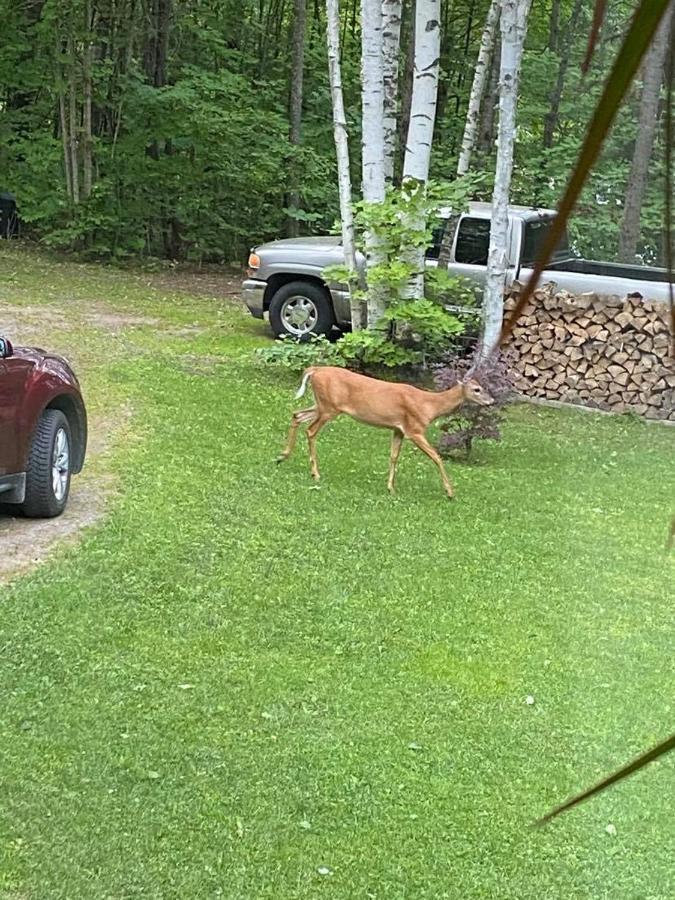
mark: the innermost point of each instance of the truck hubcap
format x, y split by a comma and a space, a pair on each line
299, 315
60, 464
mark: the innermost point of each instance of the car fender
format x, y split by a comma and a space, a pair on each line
52, 384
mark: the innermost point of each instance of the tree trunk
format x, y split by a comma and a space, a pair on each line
513, 30
157, 45
72, 127
295, 110
372, 146
342, 153
647, 125
406, 89
486, 130
478, 87
553, 26
551, 118
391, 38
421, 128
87, 139
66, 143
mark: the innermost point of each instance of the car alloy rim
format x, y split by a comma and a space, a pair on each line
60, 464
299, 315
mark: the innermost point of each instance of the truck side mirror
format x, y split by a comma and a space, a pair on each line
5, 348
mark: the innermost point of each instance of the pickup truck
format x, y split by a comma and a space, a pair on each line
285, 278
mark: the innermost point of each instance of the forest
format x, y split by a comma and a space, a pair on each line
193, 129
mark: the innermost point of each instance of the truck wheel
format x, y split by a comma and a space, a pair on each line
300, 309
49, 467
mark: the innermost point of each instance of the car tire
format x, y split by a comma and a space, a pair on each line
49, 467
301, 309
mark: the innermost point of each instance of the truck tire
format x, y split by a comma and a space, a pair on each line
301, 309
49, 467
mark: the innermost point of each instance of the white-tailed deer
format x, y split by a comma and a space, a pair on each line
406, 410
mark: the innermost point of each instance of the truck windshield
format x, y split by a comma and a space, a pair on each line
535, 234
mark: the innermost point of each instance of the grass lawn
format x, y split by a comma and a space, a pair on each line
238, 686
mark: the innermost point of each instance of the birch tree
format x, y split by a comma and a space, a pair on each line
481, 73
513, 31
342, 152
421, 127
372, 141
391, 39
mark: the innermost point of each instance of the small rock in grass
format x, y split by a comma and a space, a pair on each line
324, 870
611, 829
529, 700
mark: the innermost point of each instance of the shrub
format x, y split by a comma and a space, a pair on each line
413, 333
294, 355
470, 422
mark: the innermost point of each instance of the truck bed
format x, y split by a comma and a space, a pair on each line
611, 270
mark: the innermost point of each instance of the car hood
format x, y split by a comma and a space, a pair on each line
303, 243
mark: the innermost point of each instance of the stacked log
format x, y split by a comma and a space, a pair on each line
609, 353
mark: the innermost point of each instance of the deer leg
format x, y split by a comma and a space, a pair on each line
396, 441
312, 432
424, 445
302, 415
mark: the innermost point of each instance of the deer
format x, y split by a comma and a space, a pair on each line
406, 410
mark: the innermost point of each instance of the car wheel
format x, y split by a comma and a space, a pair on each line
49, 467
300, 309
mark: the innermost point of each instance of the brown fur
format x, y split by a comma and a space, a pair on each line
406, 410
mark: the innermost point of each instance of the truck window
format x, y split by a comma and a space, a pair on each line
535, 234
473, 241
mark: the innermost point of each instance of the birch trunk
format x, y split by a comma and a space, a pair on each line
372, 147
391, 39
421, 128
295, 110
342, 152
487, 42
647, 124
513, 30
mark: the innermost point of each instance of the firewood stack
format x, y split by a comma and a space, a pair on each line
604, 352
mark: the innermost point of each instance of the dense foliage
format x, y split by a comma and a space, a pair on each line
176, 115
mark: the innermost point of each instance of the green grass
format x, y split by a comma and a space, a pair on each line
236, 679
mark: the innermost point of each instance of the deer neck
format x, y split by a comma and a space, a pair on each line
446, 402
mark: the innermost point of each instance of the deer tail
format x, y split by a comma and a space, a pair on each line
307, 374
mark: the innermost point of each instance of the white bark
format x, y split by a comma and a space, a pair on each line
487, 43
513, 30
372, 149
342, 152
391, 39
421, 127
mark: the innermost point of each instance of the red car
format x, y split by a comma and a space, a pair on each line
43, 430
